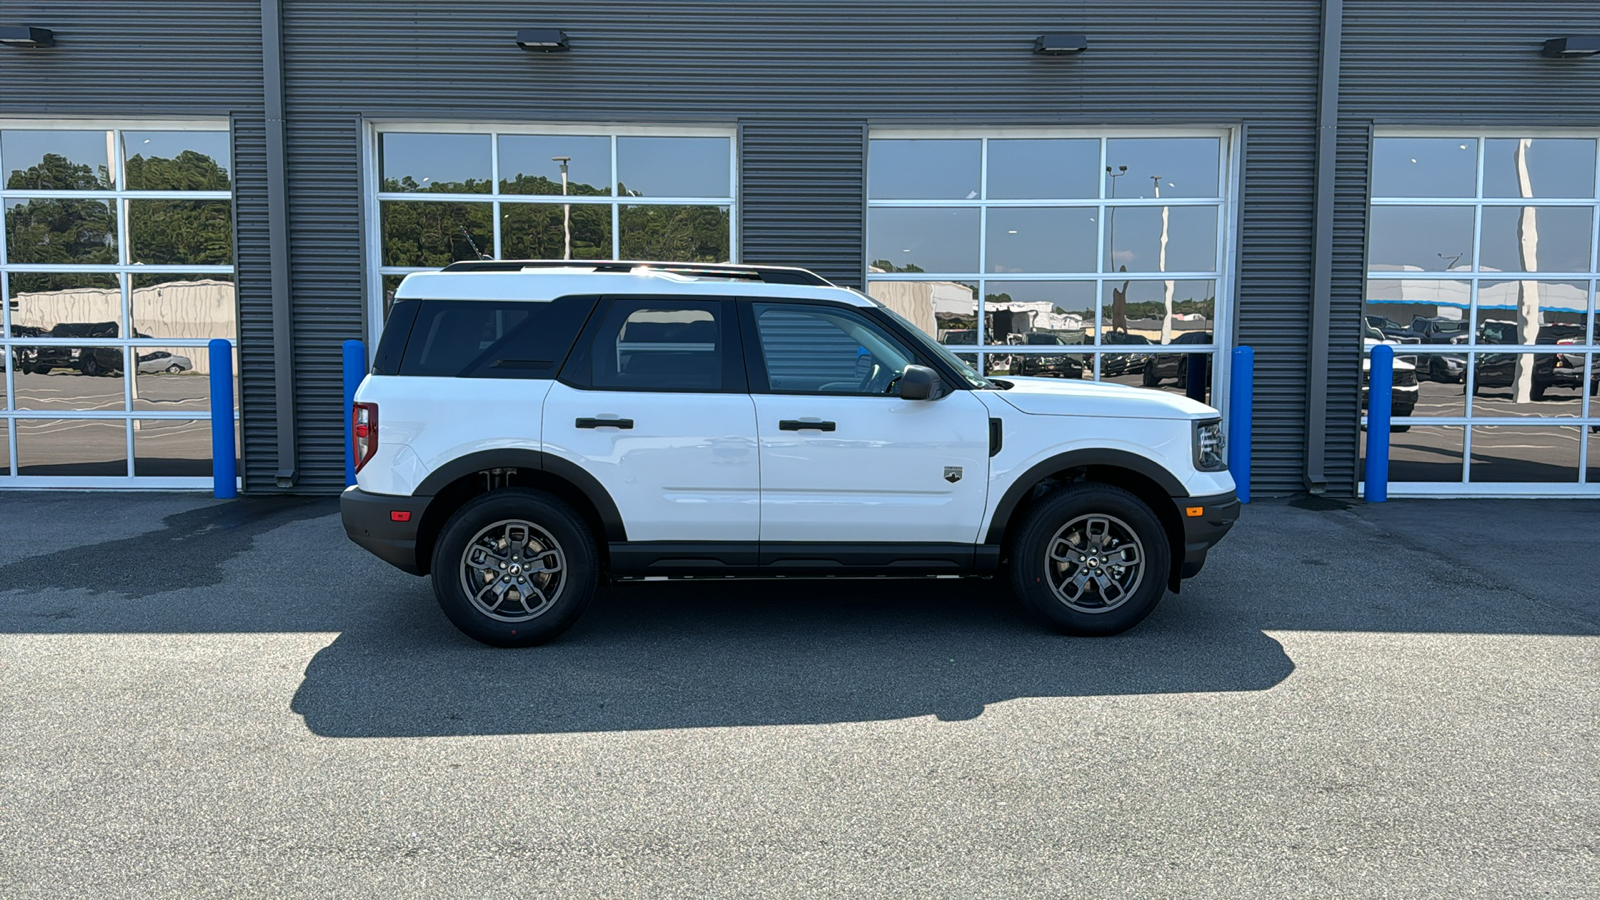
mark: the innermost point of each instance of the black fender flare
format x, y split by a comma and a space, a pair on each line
1073, 459
523, 458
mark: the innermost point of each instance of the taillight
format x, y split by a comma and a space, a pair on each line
364, 432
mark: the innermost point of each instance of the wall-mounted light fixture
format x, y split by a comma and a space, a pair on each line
1060, 43
26, 36
549, 40
1572, 47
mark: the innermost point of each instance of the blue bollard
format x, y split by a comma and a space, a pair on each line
224, 450
355, 369
1380, 407
1241, 395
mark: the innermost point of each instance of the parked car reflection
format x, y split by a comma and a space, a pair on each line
1056, 366
1559, 370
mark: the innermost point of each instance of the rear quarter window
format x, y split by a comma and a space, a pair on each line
486, 339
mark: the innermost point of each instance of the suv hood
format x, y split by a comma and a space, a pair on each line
1062, 397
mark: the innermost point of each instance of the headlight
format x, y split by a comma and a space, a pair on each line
1210, 447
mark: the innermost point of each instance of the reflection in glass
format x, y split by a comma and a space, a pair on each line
925, 170
87, 377
72, 447
1420, 239
1594, 449
42, 300
538, 231
184, 306
435, 234
1163, 167
61, 230
946, 310
1038, 313
1536, 238
180, 232
1424, 167
173, 379
168, 448
1525, 454
437, 163
176, 160
1157, 312
1161, 239
56, 160
674, 233
528, 164
391, 283
1555, 168
1050, 169
923, 240
674, 167
1041, 239
1438, 378
1423, 453
5, 448
1174, 373
1417, 310
1528, 312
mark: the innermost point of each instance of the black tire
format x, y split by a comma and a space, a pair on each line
1151, 379
1399, 429
1069, 506
1537, 393
174, 368
90, 367
564, 530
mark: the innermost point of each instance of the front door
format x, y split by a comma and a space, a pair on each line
843, 458
654, 405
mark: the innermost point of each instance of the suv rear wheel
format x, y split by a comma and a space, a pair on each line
515, 567
1090, 559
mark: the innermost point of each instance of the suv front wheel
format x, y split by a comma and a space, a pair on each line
514, 567
1090, 559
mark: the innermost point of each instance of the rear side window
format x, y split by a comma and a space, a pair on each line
491, 339
668, 345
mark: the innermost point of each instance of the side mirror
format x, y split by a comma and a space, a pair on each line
919, 383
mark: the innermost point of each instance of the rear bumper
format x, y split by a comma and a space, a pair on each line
1202, 531
369, 521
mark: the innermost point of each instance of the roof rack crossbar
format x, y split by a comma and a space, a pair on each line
766, 274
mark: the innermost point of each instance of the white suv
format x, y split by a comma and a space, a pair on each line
531, 428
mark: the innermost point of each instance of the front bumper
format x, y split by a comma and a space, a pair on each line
1206, 520
369, 521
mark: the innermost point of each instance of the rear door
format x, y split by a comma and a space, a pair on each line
654, 404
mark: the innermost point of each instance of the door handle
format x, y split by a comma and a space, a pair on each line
605, 423
804, 425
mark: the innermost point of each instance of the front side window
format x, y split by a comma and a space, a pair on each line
821, 350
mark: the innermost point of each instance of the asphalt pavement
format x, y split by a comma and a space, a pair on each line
205, 698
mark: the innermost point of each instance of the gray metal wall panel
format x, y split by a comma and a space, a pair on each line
807, 71
801, 185
1344, 326
254, 274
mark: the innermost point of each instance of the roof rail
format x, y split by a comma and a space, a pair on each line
767, 274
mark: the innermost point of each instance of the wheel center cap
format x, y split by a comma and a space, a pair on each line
1093, 561
516, 569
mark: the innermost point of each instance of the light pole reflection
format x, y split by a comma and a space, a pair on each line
566, 208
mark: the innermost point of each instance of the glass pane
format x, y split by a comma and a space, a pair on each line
673, 233
946, 310
1420, 239
1043, 169
1524, 454
924, 170
79, 447
923, 240
814, 350
5, 448
180, 232
1424, 167
1531, 312
67, 376
1024, 361
1422, 453
668, 346
674, 167
539, 231
440, 163
1406, 389
1041, 239
1529, 384
171, 379
1163, 167
1161, 239
56, 160
1038, 313
41, 301
1157, 312
1170, 372
1536, 238
1439, 379
435, 234
1416, 311
391, 283
168, 448
78, 232
1556, 167
528, 164
1594, 447
184, 306
176, 160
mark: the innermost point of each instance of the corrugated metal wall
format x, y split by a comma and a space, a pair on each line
1475, 65
802, 76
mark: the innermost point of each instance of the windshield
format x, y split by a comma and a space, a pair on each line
937, 349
